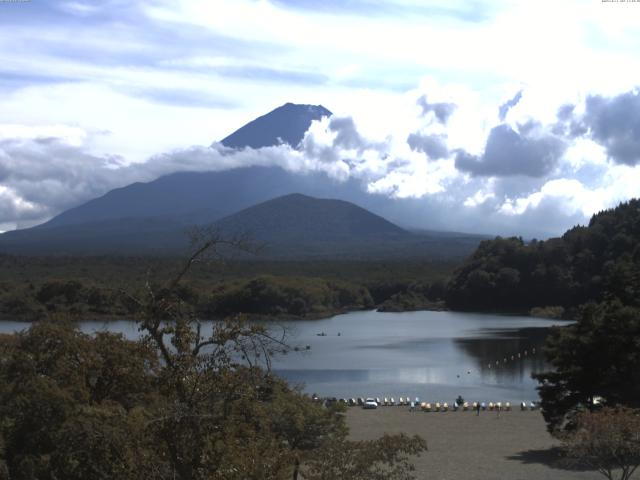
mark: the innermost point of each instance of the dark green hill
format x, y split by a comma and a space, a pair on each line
301, 227
598, 262
300, 217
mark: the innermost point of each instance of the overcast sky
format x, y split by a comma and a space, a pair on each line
509, 117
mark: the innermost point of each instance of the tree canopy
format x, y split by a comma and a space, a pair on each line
187, 401
594, 263
598, 357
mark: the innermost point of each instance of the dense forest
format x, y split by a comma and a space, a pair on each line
92, 287
592, 275
594, 263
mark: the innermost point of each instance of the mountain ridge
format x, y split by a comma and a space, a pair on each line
140, 214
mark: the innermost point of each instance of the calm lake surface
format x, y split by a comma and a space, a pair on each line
432, 355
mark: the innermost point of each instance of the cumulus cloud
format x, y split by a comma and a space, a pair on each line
508, 105
347, 135
610, 121
441, 110
530, 151
434, 146
614, 122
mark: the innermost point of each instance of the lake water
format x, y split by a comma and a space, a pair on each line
432, 355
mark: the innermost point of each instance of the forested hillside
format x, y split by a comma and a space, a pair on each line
598, 262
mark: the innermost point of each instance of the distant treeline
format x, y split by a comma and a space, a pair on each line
34, 288
594, 263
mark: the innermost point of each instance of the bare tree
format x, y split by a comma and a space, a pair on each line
208, 369
222, 415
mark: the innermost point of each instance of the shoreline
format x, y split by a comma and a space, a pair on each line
287, 317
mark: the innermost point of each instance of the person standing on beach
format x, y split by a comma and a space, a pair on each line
477, 409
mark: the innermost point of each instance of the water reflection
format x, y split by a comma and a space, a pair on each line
432, 355
507, 355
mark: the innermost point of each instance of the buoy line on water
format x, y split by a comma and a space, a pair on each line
512, 358
427, 406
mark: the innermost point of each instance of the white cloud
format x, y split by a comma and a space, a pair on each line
478, 198
585, 152
89, 103
571, 197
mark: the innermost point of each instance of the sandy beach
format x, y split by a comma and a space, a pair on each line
514, 445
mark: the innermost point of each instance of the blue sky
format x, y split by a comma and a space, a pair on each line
94, 95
